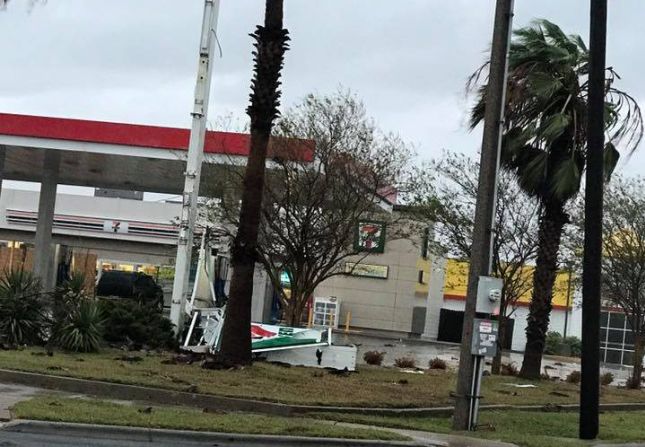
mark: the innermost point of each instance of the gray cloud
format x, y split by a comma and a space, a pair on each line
135, 60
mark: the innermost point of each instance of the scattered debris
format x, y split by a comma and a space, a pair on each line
558, 393
146, 410
388, 345
403, 382
192, 389
55, 404
80, 359
552, 408
213, 411
341, 372
129, 358
549, 367
57, 368
485, 427
521, 385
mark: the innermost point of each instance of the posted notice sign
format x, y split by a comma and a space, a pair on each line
484, 342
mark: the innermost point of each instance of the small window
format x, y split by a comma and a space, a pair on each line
422, 277
616, 336
617, 320
613, 356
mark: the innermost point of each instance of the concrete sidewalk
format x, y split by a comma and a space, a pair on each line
11, 395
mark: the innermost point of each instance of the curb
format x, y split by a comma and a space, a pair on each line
162, 396
155, 434
144, 394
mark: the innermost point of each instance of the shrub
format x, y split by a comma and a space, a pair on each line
632, 383
374, 357
573, 377
23, 317
82, 330
137, 325
554, 343
405, 362
575, 346
437, 363
508, 369
606, 378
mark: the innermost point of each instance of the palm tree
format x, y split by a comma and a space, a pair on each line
270, 46
544, 145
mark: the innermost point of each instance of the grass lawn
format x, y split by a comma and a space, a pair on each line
530, 429
54, 408
370, 386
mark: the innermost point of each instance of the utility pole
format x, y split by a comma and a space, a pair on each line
591, 267
194, 162
480, 259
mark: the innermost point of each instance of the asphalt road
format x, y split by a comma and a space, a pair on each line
28, 435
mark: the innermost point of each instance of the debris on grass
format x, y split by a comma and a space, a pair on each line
573, 377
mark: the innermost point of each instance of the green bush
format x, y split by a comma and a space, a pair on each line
573, 377
77, 319
23, 316
82, 329
136, 325
606, 378
554, 344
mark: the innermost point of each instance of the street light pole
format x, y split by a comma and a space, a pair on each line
480, 259
590, 364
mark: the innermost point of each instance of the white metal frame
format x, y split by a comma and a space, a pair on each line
194, 161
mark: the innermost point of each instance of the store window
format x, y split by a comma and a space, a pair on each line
616, 339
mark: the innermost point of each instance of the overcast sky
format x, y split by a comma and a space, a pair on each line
135, 60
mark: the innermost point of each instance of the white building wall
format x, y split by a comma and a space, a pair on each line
574, 323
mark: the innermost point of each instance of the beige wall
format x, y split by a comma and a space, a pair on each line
381, 304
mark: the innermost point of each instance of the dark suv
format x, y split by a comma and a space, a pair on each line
130, 285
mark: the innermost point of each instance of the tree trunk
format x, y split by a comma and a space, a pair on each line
501, 342
550, 231
637, 372
270, 46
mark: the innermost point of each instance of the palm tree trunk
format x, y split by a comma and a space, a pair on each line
637, 372
270, 46
550, 232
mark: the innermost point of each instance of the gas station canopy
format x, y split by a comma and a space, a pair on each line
117, 155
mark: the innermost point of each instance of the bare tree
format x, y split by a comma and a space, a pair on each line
623, 264
271, 43
515, 238
311, 212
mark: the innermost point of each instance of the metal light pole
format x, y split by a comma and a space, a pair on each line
194, 162
480, 260
589, 386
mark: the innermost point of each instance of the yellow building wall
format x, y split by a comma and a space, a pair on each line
456, 283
